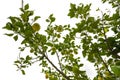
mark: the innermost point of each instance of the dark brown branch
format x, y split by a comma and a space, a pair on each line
106, 66
108, 45
106, 40
109, 49
64, 75
103, 61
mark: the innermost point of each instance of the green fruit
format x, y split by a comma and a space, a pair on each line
52, 76
53, 49
58, 35
100, 78
59, 29
46, 75
107, 74
31, 50
36, 27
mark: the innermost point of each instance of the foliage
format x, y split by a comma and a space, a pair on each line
60, 42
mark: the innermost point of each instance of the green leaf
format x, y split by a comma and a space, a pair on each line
24, 17
15, 37
90, 19
8, 26
24, 41
47, 20
118, 62
116, 70
19, 24
71, 14
49, 44
23, 72
104, 1
21, 58
52, 18
73, 6
72, 11
110, 61
36, 18
86, 9
84, 53
17, 62
21, 9
23, 66
91, 58
12, 19
28, 58
69, 67
75, 69
30, 13
26, 6
11, 34
81, 65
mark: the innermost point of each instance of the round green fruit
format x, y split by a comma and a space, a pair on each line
36, 27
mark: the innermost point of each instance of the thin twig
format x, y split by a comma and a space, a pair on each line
64, 75
59, 61
108, 45
106, 40
22, 3
106, 66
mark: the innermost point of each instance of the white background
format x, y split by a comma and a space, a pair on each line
9, 48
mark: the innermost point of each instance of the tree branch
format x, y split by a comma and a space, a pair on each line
64, 75
106, 66
22, 3
108, 45
59, 61
56, 68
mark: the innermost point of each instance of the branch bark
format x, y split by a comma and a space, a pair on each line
106, 66
56, 68
114, 53
59, 61
64, 75
22, 3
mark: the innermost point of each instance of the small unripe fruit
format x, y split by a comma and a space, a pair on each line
100, 78
53, 49
46, 75
107, 74
58, 35
59, 29
31, 50
36, 27
52, 76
